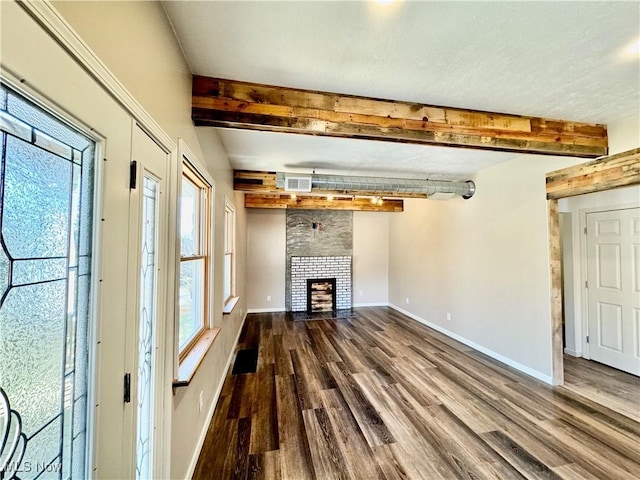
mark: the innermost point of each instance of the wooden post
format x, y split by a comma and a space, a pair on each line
555, 259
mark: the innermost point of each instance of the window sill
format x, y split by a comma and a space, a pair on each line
189, 365
230, 305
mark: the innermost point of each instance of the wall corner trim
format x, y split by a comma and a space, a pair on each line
501, 358
203, 434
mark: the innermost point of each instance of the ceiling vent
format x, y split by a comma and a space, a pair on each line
297, 183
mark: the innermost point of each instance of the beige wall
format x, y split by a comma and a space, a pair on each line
266, 250
266, 257
484, 260
624, 134
371, 258
136, 42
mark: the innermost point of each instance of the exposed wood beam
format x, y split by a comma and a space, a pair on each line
228, 103
601, 174
255, 200
256, 182
555, 270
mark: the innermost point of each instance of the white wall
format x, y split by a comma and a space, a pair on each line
266, 257
137, 43
485, 261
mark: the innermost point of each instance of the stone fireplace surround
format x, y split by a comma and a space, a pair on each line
305, 268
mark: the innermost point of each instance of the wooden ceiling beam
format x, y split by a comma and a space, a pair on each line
232, 104
307, 202
615, 171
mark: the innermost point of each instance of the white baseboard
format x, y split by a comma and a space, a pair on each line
374, 304
266, 310
212, 407
573, 353
501, 358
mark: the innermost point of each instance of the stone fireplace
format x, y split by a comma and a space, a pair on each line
332, 270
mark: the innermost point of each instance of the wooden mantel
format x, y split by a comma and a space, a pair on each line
262, 192
233, 104
308, 202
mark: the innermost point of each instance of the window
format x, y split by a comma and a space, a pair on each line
195, 225
229, 252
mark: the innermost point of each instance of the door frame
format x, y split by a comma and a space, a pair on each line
49, 20
604, 173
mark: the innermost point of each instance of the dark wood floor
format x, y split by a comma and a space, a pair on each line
619, 390
381, 396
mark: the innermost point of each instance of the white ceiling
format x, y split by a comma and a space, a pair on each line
563, 60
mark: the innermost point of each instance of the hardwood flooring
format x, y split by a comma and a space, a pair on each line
620, 391
379, 396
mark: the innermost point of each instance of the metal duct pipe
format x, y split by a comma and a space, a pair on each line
382, 186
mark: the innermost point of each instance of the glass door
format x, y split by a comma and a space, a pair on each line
46, 225
149, 212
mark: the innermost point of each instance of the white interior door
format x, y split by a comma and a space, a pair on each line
613, 288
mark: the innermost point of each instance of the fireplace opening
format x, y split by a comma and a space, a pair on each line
321, 294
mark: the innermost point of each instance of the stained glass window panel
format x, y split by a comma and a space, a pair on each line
46, 218
146, 331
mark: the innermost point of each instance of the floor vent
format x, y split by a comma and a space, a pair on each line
246, 361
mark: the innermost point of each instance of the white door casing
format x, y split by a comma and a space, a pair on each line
613, 288
43, 56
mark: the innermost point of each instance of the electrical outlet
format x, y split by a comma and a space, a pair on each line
268, 298
201, 401
360, 292
448, 316
407, 301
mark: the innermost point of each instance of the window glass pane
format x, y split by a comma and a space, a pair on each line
45, 209
191, 299
227, 275
29, 113
36, 203
188, 219
32, 348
